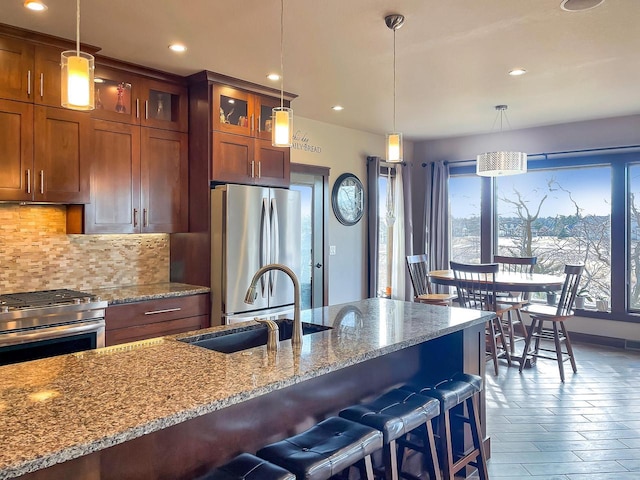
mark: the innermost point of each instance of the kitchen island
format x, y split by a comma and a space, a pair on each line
165, 409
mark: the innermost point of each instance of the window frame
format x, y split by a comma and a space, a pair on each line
619, 162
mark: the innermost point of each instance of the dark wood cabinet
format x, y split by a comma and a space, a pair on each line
155, 318
123, 96
242, 150
138, 181
44, 153
30, 72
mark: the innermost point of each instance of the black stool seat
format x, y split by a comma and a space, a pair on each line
325, 449
395, 413
450, 392
461, 389
248, 467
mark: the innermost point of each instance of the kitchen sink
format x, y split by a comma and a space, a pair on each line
236, 341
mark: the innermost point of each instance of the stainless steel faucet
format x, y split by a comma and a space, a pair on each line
250, 297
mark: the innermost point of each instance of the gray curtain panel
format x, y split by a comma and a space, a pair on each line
373, 167
436, 214
408, 226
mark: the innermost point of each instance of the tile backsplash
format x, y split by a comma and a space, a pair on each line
37, 254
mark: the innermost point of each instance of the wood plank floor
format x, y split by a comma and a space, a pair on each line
586, 428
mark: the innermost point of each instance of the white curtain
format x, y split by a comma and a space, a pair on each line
398, 273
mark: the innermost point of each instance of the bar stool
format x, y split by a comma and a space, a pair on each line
325, 449
248, 467
395, 414
462, 388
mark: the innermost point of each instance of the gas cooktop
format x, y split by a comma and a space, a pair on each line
43, 298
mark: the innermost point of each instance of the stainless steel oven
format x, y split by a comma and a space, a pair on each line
54, 322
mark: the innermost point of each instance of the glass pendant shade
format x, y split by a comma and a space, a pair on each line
282, 132
394, 147
498, 164
77, 80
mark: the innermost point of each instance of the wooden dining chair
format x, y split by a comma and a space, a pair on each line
418, 269
517, 300
557, 316
476, 287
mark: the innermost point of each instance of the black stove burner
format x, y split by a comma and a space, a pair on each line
42, 298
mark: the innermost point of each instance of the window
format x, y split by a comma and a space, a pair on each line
562, 216
633, 216
384, 254
464, 218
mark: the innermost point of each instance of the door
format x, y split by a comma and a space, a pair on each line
164, 177
62, 153
284, 243
312, 184
16, 150
115, 179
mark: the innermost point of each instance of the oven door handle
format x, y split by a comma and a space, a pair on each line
56, 331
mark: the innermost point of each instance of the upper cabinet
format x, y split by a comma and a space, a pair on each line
123, 96
241, 150
30, 72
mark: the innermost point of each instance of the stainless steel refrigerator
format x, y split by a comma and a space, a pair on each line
251, 227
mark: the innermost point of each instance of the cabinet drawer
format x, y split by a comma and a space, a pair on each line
158, 329
155, 311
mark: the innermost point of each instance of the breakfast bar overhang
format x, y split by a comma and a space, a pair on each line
167, 409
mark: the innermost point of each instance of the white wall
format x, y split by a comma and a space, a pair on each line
342, 150
593, 134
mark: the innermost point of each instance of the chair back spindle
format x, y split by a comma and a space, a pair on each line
573, 273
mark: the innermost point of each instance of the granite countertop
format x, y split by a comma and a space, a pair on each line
138, 293
60, 408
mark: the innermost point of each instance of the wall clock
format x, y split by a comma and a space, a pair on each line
347, 199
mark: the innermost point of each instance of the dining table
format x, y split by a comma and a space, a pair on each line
508, 281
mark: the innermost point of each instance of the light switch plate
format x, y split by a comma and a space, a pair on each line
332, 249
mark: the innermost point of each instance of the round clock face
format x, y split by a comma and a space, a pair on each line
347, 199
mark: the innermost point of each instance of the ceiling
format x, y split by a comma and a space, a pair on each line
452, 56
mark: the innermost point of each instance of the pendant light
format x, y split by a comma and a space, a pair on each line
77, 71
282, 132
501, 163
394, 139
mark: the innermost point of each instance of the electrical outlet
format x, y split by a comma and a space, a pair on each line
332, 249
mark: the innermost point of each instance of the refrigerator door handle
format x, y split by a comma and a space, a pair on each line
264, 243
275, 244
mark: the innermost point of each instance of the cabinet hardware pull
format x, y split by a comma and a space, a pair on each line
41, 182
137, 108
259, 169
135, 217
28, 180
145, 218
259, 123
253, 163
29, 82
252, 124
42, 85
166, 310
146, 109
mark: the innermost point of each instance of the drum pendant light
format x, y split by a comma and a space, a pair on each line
501, 163
394, 139
77, 72
282, 132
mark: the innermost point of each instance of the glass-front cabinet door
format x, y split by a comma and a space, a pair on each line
164, 106
264, 106
233, 111
116, 96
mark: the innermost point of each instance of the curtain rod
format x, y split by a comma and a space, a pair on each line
621, 148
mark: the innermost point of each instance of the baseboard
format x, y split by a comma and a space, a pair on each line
605, 341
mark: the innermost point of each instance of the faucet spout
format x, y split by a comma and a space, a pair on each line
296, 337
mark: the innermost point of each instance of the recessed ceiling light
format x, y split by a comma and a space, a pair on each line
337, 108
579, 5
517, 71
35, 5
98, 80
177, 47
274, 77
